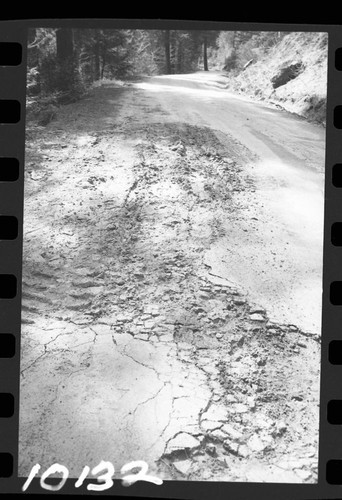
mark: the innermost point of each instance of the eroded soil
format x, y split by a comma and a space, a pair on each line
132, 347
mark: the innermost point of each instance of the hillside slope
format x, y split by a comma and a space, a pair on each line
292, 74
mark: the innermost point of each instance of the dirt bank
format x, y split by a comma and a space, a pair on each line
268, 77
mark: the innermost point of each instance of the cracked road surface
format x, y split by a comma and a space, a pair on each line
282, 220
146, 332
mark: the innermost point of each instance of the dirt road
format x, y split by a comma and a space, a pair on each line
273, 250
167, 243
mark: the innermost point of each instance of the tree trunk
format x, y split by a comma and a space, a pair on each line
179, 57
65, 59
97, 56
167, 51
103, 66
103, 56
64, 44
205, 54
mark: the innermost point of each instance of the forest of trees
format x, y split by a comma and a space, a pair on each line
64, 62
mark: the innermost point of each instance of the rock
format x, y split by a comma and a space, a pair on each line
121, 318
303, 474
149, 324
183, 441
217, 319
211, 449
215, 413
185, 346
183, 466
231, 432
218, 434
27, 321
231, 447
230, 398
263, 421
75, 307
198, 310
222, 461
84, 283
209, 425
206, 474
216, 397
255, 444
243, 451
257, 310
286, 73
141, 336
219, 336
209, 369
36, 176
184, 356
240, 408
251, 402
261, 362
239, 302
82, 319
281, 427
198, 452
240, 341
256, 317
152, 310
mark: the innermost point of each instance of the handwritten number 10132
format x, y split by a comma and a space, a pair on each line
104, 472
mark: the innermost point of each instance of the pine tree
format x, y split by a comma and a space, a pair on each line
65, 59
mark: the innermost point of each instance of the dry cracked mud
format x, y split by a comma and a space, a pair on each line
132, 347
